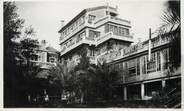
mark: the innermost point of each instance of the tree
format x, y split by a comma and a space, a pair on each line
15, 55
12, 30
28, 48
104, 79
93, 81
171, 21
81, 74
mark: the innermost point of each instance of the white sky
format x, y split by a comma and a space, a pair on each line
45, 16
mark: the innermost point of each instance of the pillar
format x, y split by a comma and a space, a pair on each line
125, 93
163, 83
142, 91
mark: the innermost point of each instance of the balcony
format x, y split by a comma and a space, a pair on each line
110, 35
72, 32
95, 24
43, 65
140, 47
154, 75
111, 19
84, 40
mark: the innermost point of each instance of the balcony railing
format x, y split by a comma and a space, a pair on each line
119, 19
109, 34
114, 55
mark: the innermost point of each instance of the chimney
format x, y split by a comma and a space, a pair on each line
139, 40
116, 7
43, 43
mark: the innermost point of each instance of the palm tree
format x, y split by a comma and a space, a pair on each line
171, 21
53, 78
104, 78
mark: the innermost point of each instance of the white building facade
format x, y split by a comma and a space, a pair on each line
108, 38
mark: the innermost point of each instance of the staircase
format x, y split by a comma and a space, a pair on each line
174, 99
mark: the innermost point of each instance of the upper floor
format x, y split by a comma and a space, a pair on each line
94, 26
134, 66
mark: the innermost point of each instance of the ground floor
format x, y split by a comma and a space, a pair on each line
147, 90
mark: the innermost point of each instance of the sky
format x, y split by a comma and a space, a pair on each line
45, 16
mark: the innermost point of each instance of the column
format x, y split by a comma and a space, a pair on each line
87, 32
142, 91
125, 93
163, 83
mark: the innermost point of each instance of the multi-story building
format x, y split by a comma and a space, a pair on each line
98, 30
108, 38
140, 78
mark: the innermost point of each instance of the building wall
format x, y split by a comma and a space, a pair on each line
98, 13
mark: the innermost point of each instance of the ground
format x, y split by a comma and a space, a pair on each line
125, 104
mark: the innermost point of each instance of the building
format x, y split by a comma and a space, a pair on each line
98, 30
140, 78
45, 56
108, 38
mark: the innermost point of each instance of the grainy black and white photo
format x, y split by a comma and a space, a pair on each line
92, 54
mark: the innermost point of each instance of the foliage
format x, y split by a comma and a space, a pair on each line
171, 16
92, 81
171, 21
28, 47
12, 29
12, 24
57, 75
104, 79
16, 84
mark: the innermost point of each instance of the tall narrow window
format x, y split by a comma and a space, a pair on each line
106, 28
166, 58
158, 61
132, 67
111, 28
126, 31
91, 18
144, 65
115, 30
138, 66
151, 65
119, 30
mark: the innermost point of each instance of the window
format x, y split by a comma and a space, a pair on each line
111, 28
126, 31
82, 19
93, 34
144, 58
91, 18
116, 30
106, 28
138, 66
72, 27
92, 52
76, 23
158, 61
132, 67
151, 65
166, 58
51, 59
119, 30
121, 65
80, 36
